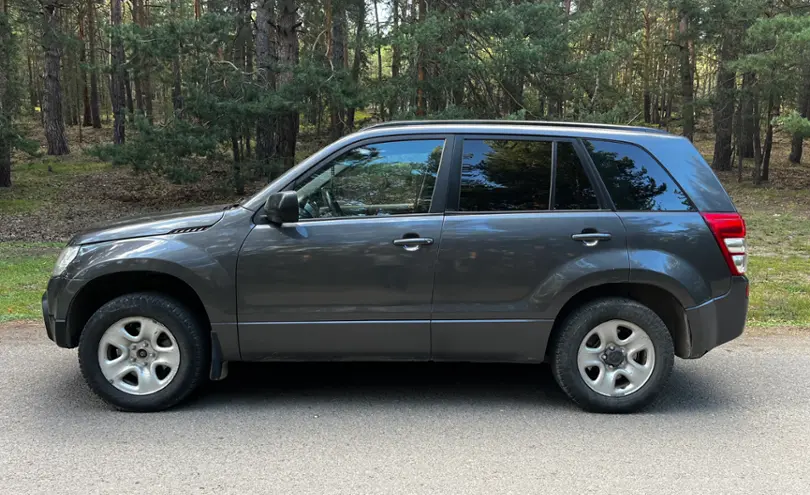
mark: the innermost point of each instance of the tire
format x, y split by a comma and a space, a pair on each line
184, 341
569, 346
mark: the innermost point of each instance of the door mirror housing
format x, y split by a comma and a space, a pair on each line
282, 207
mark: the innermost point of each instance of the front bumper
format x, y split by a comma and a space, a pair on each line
55, 303
718, 321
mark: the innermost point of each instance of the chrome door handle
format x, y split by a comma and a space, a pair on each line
413, 243
591, 239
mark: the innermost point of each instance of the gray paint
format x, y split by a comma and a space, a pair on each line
488, 288
150, 225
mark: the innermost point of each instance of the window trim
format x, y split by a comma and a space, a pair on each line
651, 155
439, 193
454, 187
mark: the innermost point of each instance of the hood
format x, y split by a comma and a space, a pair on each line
152, 224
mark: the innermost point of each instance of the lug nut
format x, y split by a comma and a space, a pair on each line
611, 347
604, 356
152, 355
133, 346
146, 344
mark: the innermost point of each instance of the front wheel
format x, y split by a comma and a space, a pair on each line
143, 352
612, 355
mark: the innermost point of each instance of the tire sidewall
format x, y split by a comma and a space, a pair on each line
168, 313
580, 323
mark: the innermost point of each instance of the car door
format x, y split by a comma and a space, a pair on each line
353, 278
528, 225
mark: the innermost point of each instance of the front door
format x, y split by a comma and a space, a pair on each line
527, 232
353, 279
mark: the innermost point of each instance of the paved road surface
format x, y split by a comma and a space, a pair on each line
737, 421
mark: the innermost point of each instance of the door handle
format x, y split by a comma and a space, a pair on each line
591, 239
413, 243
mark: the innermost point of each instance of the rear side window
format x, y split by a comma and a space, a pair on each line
502, 175
573, 189
635, 181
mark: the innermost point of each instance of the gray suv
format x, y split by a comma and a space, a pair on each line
602, 250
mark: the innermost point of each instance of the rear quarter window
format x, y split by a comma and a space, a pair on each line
635, 180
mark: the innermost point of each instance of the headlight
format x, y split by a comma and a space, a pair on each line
64, 259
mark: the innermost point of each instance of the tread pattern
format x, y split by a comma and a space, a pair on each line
187, 330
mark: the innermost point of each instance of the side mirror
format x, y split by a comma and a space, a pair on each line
282, 207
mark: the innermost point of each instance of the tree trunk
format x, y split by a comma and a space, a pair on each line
396, 57
687, 90
379, 57
118, 85
420, 64
804, 109
137, 16
177, 81
287, 123
32, 89
197, 9
337, 50
6, 34
739, 128
773, 112
747, 102
358, 58
87, 119
647, 64
265, 75
724, 106
52, 104
95, 112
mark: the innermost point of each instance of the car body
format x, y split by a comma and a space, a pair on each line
466, 269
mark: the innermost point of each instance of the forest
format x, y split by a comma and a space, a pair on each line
178, 85
110, 108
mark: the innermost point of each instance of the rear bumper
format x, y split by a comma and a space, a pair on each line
718, 321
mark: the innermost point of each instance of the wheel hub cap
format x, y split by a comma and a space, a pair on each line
138, 355
616, 358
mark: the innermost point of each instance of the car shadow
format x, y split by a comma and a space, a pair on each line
258, 385
250, 384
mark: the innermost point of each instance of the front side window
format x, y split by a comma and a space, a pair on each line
503, 175
635, 181
392, 178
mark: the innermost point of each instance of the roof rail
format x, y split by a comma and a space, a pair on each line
403, 123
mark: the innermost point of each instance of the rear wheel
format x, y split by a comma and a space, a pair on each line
612, 355
143, 352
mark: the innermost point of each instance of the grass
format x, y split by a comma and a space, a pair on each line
780, 291
25, 268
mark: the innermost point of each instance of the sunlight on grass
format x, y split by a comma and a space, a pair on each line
25, 268
780, 291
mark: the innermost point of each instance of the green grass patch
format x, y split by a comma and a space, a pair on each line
25, 269
16, 206
778, 233
780, 291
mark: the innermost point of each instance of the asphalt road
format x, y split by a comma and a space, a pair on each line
736, 421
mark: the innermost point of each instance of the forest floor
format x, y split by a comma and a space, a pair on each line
53, 197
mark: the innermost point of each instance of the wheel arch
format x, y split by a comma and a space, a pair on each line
104, 288
668, 307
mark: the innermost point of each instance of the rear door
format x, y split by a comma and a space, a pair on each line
527, 226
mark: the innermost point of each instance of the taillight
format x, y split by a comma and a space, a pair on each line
729, 230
